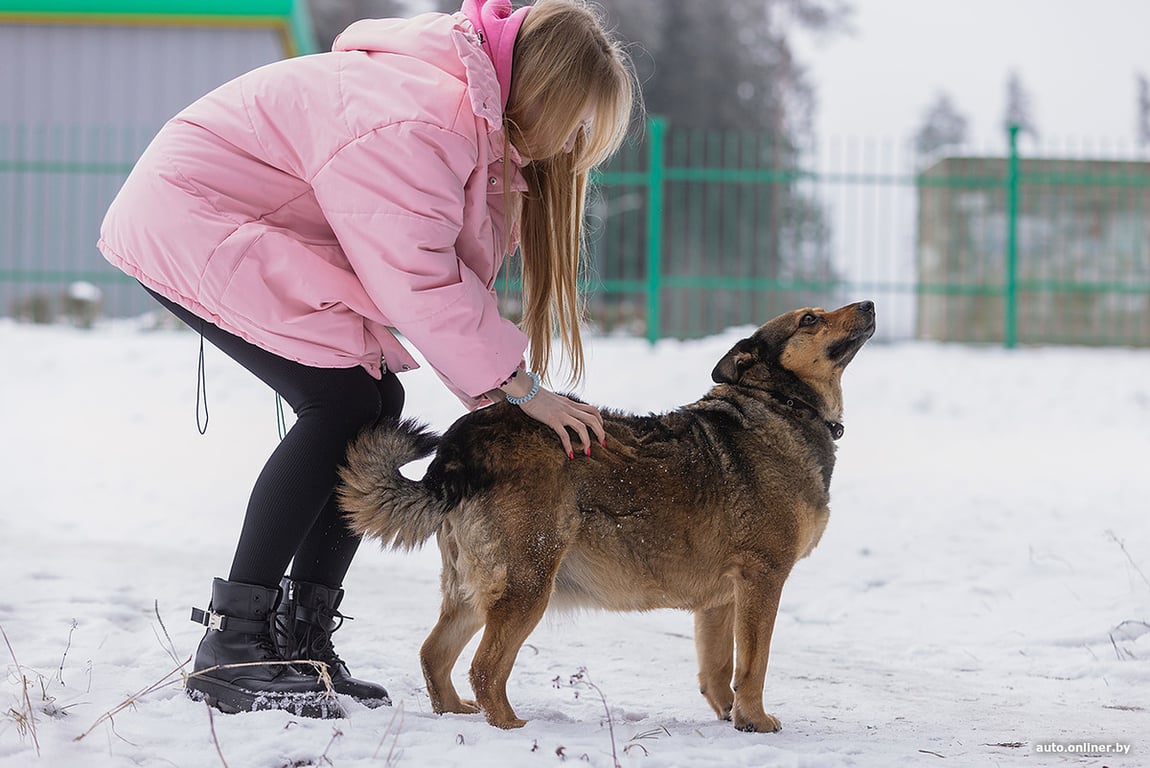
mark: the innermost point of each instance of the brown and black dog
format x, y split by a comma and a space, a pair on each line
706, 508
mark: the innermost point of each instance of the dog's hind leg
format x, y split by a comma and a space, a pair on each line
458, 622
510, 619
715, 645
757, 594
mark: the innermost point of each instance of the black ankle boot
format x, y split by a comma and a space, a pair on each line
239, 622
304, 623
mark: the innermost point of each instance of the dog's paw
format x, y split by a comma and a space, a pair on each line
722, 700
457, 707
762, 723
507, 724
468, 706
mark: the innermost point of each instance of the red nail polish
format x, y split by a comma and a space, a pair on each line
604, 443
571, 455
588, 451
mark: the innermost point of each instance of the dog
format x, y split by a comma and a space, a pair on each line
705, 508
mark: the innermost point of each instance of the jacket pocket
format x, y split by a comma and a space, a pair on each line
297, 296
225, 260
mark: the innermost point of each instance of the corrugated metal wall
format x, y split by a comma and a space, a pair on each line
78, 103
133, 76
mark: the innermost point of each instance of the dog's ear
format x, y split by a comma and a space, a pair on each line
738, 359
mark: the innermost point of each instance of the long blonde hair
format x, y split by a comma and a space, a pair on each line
564, 65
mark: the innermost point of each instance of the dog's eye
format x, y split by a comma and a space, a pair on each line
808, 319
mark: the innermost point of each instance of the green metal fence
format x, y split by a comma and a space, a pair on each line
56, 182
1034, 250
692, 232
971, 247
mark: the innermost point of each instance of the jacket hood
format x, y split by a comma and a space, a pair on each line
498, 27
494, 24
448, 42
416, 36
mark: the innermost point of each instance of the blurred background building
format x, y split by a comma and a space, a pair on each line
724, 209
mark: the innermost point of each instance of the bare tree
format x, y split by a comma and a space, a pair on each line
726, 65
717, 65
330, 17
725, 76
1018, 107
942, 126
1143, 111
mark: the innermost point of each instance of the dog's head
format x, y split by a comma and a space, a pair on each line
801, 355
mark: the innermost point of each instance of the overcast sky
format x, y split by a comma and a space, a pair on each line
1077, 59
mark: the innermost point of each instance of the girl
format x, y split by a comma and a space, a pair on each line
298, 214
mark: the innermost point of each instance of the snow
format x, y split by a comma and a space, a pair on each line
82, 290
980, 595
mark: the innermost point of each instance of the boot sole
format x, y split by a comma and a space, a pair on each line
231, 699
367, 700
375, 703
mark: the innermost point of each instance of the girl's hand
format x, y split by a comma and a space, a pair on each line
562, 413
558, 412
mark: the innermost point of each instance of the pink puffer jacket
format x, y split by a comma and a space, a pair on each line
311, 204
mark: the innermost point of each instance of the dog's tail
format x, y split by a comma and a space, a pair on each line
380, 502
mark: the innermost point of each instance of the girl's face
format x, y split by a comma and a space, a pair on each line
584, 125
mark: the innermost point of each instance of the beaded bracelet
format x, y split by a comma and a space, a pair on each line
534, 390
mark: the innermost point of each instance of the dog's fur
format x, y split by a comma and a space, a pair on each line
705, 508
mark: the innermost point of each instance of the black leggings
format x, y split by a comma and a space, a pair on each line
292, 515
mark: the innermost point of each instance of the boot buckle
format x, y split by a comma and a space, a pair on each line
210, 619
223, 623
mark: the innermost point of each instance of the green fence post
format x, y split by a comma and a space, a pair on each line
1010, 319
656, 129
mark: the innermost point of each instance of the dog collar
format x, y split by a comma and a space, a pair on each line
836, 428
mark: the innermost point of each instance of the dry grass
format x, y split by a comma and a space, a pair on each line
582, 679
28, 709
215, 739
1122, 545
177, 675
25, 716
1129, 629
392, 755
172, 677
634, 741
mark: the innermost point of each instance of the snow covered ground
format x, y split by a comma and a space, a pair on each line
981, 595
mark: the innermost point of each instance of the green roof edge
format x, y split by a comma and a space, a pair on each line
294, 12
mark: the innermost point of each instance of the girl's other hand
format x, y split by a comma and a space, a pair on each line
558, 412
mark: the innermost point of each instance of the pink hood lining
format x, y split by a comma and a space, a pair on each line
498, 27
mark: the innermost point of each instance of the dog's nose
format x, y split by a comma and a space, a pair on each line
866, 306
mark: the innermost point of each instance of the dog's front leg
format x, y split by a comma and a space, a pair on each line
715, 645
757, 593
